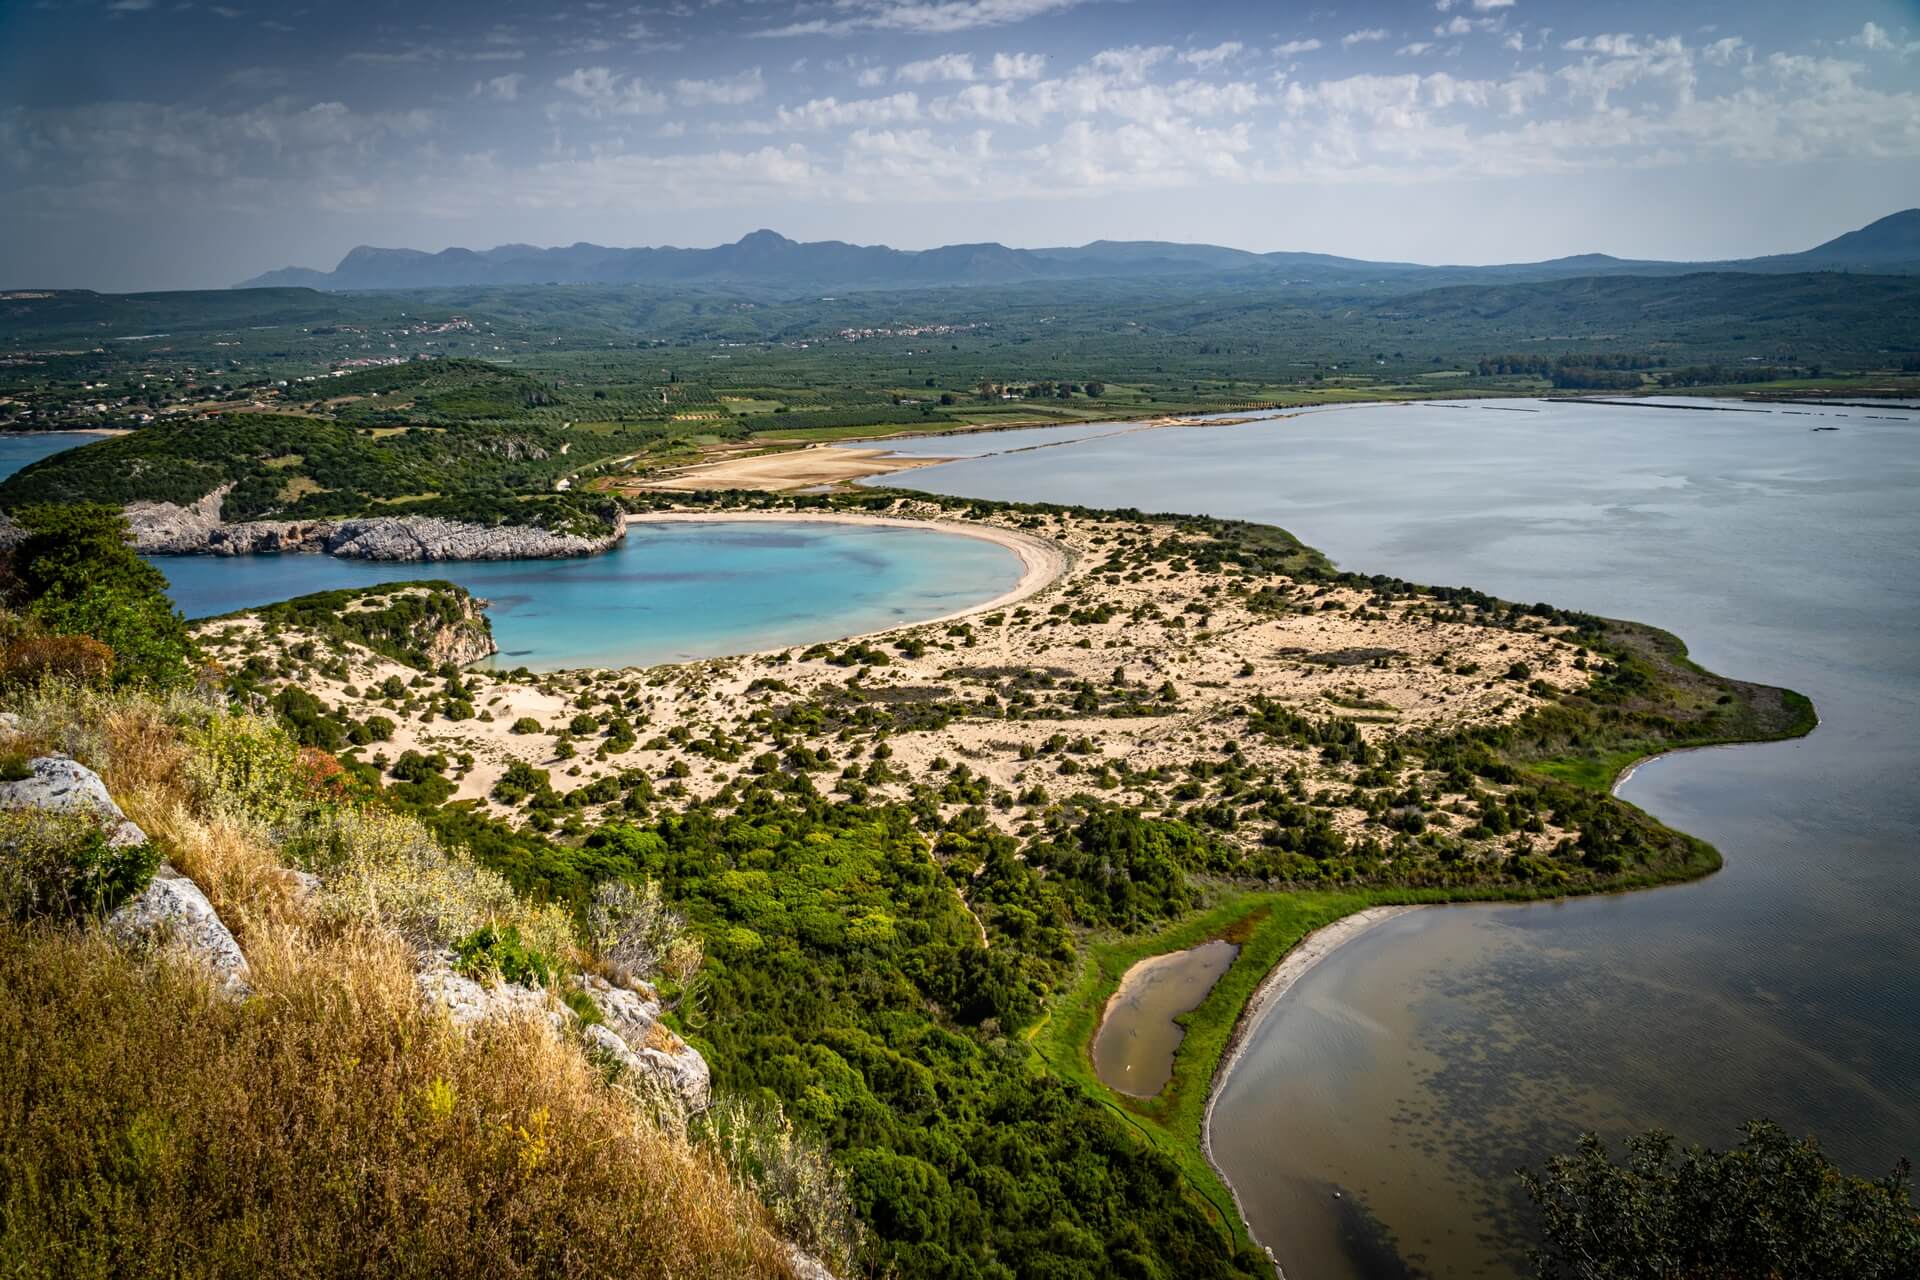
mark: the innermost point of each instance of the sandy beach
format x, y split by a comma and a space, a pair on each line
794, 469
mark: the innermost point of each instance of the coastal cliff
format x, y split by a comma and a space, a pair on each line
166, 528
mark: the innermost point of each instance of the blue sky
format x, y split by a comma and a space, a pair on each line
161, 143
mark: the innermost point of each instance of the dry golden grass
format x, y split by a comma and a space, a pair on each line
330, 1124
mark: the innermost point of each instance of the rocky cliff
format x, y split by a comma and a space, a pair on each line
165, 528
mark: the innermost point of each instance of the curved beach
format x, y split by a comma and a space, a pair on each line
1293, 966
1042, 561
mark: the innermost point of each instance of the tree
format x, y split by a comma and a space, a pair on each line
1774, 1206
76, 574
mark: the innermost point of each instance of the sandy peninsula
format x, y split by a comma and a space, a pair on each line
1118, 665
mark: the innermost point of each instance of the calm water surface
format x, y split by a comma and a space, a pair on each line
1134, 1048
19, 449
1415, 1069
667, 593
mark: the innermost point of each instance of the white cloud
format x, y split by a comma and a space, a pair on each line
1366, 35
601, 91
832, 113
948, 66
1725, 52
1877, 39
500, 88
1132, 62
1018, 66
1215, 56
726, 91
1292, 47
924, 17
1413, 50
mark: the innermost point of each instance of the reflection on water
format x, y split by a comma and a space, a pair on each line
1418, 1067
1133, 1050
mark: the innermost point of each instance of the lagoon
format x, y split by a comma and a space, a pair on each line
1414, 1069
666, 593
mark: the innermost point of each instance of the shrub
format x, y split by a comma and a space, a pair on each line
31, 659
631, 928
60, 864
804, 1190
376, 865
492, 953
525, 724
76, 574
247, 765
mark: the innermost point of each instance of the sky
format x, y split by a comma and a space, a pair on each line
160, 144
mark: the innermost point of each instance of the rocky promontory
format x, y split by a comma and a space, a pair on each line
166, 528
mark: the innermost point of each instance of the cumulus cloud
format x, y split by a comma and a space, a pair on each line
1877, 39
1018, 66
1292, 47
727, 91
948, 66
500, 88
832, 113
1365, 35
925, 17
601, 91
1213, 57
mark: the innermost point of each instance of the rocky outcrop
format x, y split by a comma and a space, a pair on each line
171, 911
635, 1037
460, 639
631, 1035
67, 786
166, 528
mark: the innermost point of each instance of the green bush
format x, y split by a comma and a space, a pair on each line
61, 865
490, 953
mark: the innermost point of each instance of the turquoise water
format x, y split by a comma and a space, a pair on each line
668, 593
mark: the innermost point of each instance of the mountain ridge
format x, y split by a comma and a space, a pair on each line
767, 258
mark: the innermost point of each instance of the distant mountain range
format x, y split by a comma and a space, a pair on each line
770, 260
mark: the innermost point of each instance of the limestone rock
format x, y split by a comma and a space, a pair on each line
470, 1003
67, 786
171, 911
806, 1266
635, 1037
166, 528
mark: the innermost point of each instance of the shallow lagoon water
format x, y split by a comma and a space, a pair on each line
667, 593
1134, 1049
1420, 1065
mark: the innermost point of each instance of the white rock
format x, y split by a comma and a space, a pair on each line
469, 1003
171, 911
67, 786
806, 1266
633, 1017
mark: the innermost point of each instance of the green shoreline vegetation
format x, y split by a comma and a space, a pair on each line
907, 984
787, 889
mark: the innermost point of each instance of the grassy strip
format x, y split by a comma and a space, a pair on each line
1266, 925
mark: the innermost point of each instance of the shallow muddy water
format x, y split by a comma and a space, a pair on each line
1133, 1050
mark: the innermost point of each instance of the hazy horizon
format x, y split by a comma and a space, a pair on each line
163, 144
